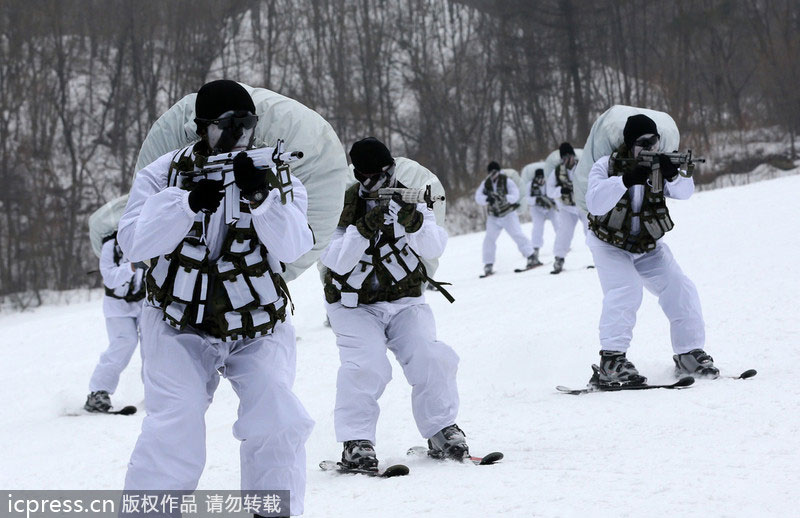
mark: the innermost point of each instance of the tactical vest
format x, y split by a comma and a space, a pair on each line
502, 207
614, 227
538, 192
389, 269
132, 294
240, 295
563, 181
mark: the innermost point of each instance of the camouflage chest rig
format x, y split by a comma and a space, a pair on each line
499, 208
240, 295
389, 269
614, 227
131, 294
563, 181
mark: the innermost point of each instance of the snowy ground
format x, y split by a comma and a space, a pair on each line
721, 448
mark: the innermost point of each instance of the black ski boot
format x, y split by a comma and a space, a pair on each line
558, 265
615, 370
696, 363
359, 455
98, 402
450, 443
533, 259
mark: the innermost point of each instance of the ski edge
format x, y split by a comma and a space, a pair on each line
395, 470
486, 460
684, 382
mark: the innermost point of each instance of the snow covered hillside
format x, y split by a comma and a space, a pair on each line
719, 448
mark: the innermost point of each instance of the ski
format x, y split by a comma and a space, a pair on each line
483, 276
396, 470
681, 383
520, 270
749, 373
489, 458
126, 410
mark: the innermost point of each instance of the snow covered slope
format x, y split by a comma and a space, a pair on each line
720, 448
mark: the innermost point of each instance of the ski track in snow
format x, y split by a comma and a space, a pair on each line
719, 448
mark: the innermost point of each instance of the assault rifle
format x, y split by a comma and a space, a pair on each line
409, 195
684, 161
273, 159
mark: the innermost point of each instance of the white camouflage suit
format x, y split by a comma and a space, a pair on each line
122, 319
567, 215
406, 327
623, 274
182, 368
539, 215
509, 222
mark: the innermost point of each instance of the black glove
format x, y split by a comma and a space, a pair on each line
668, 170
371, 222
408, 215
491, 198
248, 177
638, 176
206, 195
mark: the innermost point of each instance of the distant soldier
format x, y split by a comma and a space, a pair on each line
559, 187
122, 307
500, 195
542, 209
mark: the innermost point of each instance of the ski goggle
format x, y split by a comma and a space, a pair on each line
238, 119
646, 142
361, 176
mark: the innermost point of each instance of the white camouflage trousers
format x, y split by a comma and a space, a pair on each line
495, 225
565, 229
622, 276
181, 373
363, 334
539, 215
123, 336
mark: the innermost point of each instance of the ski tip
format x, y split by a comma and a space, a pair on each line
398, 470
748, 374
127, 410
490, 458
684, 382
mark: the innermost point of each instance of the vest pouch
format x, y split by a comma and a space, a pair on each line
662, 216
349, 299
651, 224
241, 246
184, 284
159, 272
175, 314
238, 292
357, 276
616, 217
262, 321
232, 325
244, 220
391, 261
255, 264
264, 286
192, 255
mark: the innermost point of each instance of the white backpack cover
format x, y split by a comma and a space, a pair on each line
606, 136
323, 169
104, 221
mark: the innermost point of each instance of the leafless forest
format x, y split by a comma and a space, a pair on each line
449, 83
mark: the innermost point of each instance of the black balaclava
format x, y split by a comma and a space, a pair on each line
566, 149
636, 126
218, 98
372, 163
